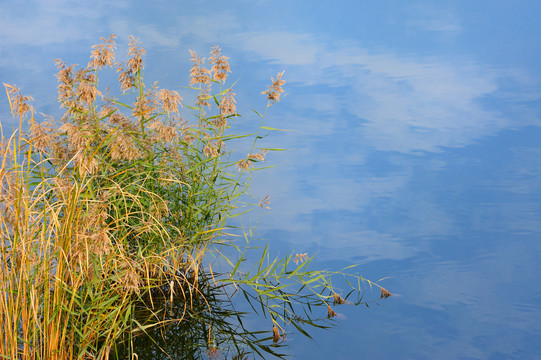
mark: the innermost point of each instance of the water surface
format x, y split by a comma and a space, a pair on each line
416, 148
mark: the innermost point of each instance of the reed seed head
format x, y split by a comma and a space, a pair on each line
103, 54
259, 156
220, 65
115, 117
123, 147
244, 164
170, 100
101, 242
126, 78
385, 294
19, 103
220, 122
275, 334
145, 105
198, 74
247, 163
274, 91
203, 97
87, 92
86, 163
78, 136
228, 104
129, 277
65, 74
338, 299
42, 136
300, 258
135, 55
265, 202
211, 149
330, 312
163, 132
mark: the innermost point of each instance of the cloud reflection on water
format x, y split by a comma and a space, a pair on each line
406, 102
391, 153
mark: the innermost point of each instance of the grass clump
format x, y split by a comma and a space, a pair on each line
111, 215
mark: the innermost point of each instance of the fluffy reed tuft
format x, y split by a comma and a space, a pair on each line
275, 90
220, 64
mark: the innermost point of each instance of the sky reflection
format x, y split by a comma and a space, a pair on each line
415, 146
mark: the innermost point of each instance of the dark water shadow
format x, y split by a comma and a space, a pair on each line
199, 323
204, 323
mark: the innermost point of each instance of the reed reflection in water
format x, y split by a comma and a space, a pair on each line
207, 324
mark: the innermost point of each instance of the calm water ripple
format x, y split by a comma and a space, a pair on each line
415, 149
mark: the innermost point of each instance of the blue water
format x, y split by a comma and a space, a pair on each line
415, 149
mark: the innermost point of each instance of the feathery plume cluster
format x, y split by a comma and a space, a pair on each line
9, 189
247, 163
170, 100
86, 86
164, 132
103, 54
330, 312
203, 97
79, 137
337, 299
129, 278
135, 54
144, 105
62, 187
259, 156
123, 147
244, 164
198, 74
101, 242
126, 78
220, 122
213, 352
228, 107
134, 65
385, 294
300, 258
212, 147
114, 117
76, 90
42, 135
19, 103
274, 91
85, 163
187, 135
66, 82
66, 86
220, 65
228, 104
265, 202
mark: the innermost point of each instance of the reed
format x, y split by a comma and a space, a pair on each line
117, 207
